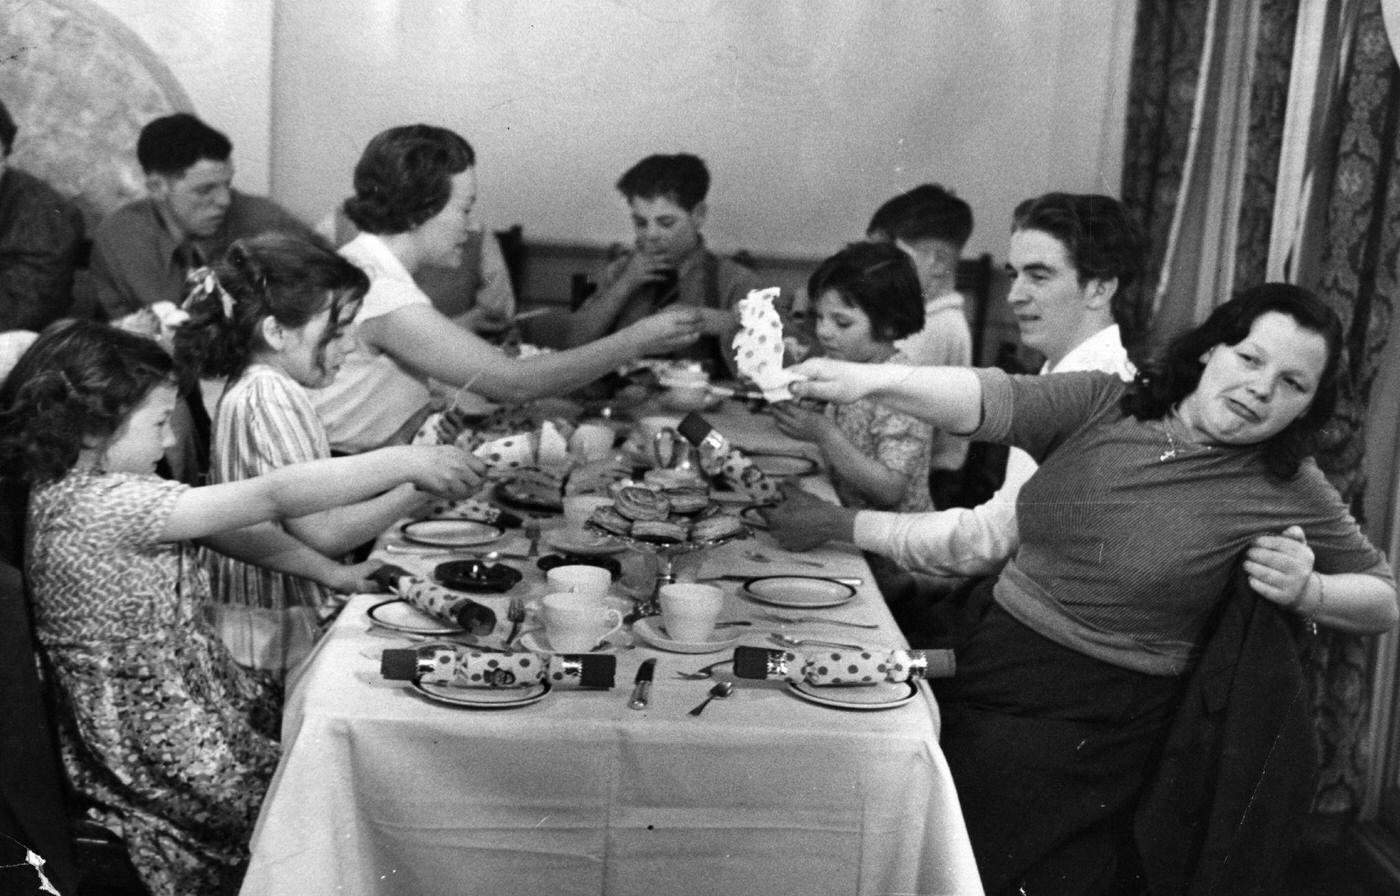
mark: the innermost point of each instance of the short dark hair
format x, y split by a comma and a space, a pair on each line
73, 387
681, 178
7, 130
1102, 240
404, 177
879, 279
926, 212
173, 144
287, 278
1173, 375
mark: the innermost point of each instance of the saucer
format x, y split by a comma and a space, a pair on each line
650, 630
477, 575
538, 642
798, 591
451, 533
569, 540
886, 695
483, 698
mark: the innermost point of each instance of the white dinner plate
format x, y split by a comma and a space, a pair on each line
778, 465
402, 616
483, 698
650, 630
451, 533
799, 591
568, 540
538, 642
886, 695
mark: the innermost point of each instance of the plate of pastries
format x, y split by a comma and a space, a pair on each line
667, 516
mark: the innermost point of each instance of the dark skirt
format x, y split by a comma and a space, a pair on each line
1049, 750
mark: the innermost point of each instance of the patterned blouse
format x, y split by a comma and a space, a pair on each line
264, 421
172, 742
898, 441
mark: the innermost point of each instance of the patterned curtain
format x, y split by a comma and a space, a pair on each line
1355, 270
1359, 277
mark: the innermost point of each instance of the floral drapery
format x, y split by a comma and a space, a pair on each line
1352, 264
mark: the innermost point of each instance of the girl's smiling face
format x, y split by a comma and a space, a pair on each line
312, 353
845, 332
138, 445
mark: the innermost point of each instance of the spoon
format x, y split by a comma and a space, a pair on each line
796, 642
721, 690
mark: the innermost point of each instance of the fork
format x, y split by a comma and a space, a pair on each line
813, 642
815, 620
515, 612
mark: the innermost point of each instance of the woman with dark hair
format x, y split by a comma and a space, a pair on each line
167, 738
414, 191
1146, 499
274, 317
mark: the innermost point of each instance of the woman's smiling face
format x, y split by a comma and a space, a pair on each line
1251, 391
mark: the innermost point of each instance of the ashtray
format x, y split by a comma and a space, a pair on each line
550, 561
476, 575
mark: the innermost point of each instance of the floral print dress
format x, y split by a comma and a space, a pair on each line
898, 441
170, 740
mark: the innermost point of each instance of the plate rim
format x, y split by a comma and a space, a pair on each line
543, 685
437, 577
781, 603
534, 633
651, 633
408, 536
444, 628
812, 466
817, 699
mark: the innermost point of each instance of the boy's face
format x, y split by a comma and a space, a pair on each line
665, 229
196, 201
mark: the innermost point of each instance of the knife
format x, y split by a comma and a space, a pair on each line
641, 691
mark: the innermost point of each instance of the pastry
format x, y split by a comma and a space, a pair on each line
610, 520
659, 530
713, 528
687, 499
638, 503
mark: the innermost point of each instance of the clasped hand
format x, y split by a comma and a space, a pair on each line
1280, 566
446, 471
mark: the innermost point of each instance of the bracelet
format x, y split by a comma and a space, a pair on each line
1321, 599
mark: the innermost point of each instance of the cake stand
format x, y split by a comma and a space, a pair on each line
666, 552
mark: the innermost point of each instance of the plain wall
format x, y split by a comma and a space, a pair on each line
809, 113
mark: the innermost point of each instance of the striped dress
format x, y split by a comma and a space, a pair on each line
265, 420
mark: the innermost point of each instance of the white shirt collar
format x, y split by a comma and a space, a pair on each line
1101, 351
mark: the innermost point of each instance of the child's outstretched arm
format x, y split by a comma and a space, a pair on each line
305, 488
271, 547
877, 483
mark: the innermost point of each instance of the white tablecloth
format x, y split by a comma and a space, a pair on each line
383, 792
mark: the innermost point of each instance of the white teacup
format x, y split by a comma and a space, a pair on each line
578, 508
574, 623
689, 611
592, 441
580, 579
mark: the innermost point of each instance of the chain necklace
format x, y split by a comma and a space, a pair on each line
1187, 446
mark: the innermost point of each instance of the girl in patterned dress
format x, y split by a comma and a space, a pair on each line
168, 739
274, 317
867, 296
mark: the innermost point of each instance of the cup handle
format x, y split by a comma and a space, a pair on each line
614, 614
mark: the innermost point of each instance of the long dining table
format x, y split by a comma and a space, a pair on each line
381, 791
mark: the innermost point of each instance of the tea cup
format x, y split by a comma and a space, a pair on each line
689, 611
589, 580
574, 622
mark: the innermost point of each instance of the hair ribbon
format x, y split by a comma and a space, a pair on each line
203, 283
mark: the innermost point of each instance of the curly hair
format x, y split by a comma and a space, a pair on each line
681, 178
287, 278
880, 280
404, 177
1170, 377
73, 389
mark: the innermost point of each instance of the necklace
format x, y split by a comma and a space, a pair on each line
1173, 450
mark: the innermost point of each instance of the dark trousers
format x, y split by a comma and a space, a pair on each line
1049, 750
